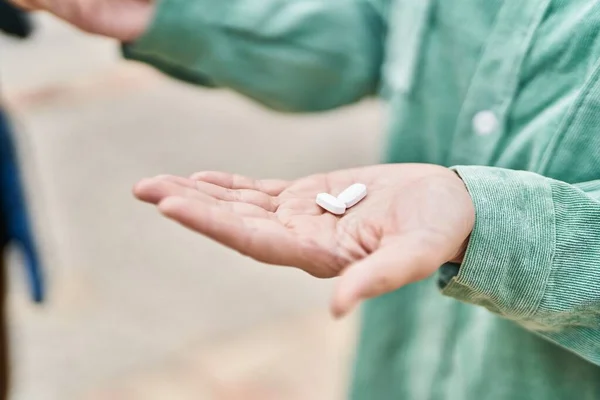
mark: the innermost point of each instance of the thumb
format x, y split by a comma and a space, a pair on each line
398, 263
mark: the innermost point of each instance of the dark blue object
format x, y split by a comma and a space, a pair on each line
14, 218
14, 21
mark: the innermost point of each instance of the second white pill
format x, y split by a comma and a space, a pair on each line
353, 194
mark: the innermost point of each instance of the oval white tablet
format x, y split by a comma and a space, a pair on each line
353, 194
330, 203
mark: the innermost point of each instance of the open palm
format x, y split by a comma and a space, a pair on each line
414, 218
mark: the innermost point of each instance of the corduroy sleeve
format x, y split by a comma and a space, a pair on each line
297, 56
534, 255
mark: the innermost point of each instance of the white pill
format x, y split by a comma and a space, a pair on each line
330, 203
353, 194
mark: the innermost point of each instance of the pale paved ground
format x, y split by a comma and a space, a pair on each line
141, 309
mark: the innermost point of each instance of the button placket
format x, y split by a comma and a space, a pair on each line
401, 64
483, 115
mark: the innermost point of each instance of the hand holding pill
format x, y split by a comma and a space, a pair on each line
349, 197
401, 231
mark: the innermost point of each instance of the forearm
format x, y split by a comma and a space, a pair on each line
303, 55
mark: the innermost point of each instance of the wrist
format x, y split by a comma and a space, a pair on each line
462, 250
460, 254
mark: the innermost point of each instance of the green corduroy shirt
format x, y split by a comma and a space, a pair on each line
507, 92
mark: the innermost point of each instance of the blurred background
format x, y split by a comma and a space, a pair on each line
140, 308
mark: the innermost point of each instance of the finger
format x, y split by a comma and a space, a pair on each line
399, 263
233, 181
156, 189
143, 190
179, 180
249, 196
262, 239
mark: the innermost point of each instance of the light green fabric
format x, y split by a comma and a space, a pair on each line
521, 319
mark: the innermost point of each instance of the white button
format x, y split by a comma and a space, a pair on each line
485, 122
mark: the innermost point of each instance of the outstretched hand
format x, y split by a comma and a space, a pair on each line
415, 218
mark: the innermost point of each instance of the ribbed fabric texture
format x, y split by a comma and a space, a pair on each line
520, 318
533, 256
499, 272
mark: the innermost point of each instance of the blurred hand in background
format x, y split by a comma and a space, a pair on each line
124, 20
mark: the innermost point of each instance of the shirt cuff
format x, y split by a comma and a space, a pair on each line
509, 256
